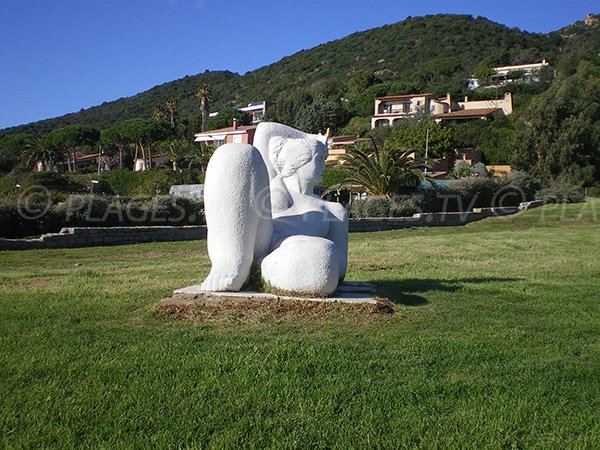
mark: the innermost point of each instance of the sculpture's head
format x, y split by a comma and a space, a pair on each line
303, 157
265, 142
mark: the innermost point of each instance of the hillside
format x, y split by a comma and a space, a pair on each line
411, 50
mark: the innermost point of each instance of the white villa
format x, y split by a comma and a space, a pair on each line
256, 110
508, 74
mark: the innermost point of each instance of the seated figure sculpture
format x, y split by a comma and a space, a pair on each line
260, 209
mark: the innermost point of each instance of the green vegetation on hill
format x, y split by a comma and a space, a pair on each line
437, 51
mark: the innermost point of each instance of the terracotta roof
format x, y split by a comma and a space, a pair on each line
346, 137
402, 97
467, 113
82, 157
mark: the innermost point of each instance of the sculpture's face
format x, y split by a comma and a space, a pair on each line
316, 166
304, 158
312, 170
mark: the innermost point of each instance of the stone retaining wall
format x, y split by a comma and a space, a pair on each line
93, 236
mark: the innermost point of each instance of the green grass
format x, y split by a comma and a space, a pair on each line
495, 343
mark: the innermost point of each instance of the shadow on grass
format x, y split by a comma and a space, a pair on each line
404, 292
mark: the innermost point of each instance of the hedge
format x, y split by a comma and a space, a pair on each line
19, 219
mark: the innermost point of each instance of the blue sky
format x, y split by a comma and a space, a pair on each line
58, 56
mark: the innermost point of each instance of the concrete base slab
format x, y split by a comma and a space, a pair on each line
348, 292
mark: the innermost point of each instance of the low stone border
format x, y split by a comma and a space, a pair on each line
436, 219
93, 236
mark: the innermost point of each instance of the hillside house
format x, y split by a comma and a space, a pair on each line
256, 110
392, 108
389, 110
231, 135
508, 74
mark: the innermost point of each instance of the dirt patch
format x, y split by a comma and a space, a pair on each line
197, 308
35, 281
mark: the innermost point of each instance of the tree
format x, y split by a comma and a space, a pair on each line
495, 138
178, 150
357, 82
71, 138
166, 112
115, 136
41, 154
204, 94
287, 105
199, 155
381, 170
8, 160
559, 134
437, 69
171, 108
11, 148
144, 133
412, 135
320, 115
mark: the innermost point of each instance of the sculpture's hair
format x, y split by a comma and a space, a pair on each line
289, 154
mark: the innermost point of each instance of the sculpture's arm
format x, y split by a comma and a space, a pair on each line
338, 233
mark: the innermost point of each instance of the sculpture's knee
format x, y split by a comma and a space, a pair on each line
235, 177
303, 264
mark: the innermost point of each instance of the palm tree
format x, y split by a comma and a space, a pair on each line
381, 170
177, 150
166, 112
204, 94
199, 156
40, 154
171, 106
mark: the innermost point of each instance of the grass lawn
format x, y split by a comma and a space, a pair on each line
495, 343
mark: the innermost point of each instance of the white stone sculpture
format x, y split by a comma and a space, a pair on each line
260, 208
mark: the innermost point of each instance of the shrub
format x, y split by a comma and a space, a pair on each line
473, 192
378, 206
559, 191
461, 169
122, 181
594, 191
528, 184
408, 205
357, 209
8, 185
47, 179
